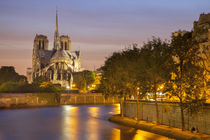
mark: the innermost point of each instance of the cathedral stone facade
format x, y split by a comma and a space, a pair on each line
58, 64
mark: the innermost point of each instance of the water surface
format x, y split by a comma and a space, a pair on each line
69, 122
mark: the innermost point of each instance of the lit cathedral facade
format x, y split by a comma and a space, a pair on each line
58, 64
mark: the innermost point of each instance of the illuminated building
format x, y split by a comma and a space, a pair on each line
58, 64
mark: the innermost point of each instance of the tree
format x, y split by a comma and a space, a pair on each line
117, 75
134, 71
10, 81
8, 74
89, 77
39, 80
155, 65
9, 87
186, 83
84, 79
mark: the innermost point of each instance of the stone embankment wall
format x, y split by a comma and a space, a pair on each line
12, 100
169, 114
48, 99
91, 98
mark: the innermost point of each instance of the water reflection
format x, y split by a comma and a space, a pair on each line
69, 122
126, 133
93, 111
115, 134
93, 123
90, 123
116, 109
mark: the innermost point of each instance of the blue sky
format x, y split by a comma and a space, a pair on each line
96, 27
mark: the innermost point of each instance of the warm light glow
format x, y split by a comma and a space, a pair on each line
116, 134
69, 108
135, 135
70, 124
73, 85
144, 135
93, 123
116, 110
93, 111
45, 84
161, 87
67, 87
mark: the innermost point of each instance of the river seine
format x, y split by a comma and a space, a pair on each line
68, 122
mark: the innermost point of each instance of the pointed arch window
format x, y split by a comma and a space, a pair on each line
66, 46
39, 46
42, 44
62, 45
58, 76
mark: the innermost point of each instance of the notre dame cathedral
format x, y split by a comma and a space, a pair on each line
58, 64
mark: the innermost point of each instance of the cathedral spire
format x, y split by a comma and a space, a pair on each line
56, 35
56, 30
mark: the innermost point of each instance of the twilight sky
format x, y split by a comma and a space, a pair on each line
96, 27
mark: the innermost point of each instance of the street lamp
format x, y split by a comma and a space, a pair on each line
68, 87
137, 101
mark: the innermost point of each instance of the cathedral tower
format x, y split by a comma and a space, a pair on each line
65, 43
40, 44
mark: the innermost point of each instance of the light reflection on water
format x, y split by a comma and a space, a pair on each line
90, 123
69, 122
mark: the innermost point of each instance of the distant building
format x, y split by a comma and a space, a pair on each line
95, 85
201, 34
58, 64
29, 75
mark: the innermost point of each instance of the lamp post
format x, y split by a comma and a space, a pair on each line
137, 101
68, 87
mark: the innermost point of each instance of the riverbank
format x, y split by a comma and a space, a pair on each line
159, 129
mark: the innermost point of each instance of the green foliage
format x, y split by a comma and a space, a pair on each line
135, 70
22, 87
155, 64
38, 80
143, 69
51, 88
14, 87
9, 86
10, 81
84, 79
7, 73
188, 80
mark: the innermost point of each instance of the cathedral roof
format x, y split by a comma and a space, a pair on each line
65, 54
44, 54
60, 54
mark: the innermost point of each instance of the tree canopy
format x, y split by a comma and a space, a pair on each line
8, 74
83, 79
175, 65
